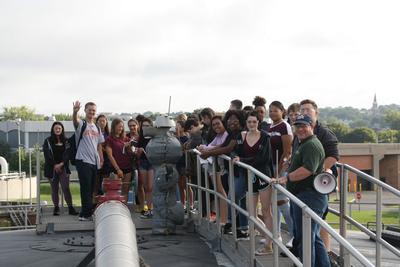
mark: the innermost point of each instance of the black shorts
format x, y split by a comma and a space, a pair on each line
258, 184
125, 171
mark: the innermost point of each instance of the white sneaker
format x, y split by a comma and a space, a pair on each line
85, 219
289, 244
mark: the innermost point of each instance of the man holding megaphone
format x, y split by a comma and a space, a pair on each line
306, 163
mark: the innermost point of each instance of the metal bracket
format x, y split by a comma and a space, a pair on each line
50, 228
87, 259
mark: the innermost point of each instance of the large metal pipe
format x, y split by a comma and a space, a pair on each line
4, 165
115, 236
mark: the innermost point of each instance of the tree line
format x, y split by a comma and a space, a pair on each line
350, 125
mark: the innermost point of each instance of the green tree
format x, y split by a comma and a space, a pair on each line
359, 123
388, 136
5, 150
63, 117
392, 117
23, 112
360, 135
14, 161
340, 129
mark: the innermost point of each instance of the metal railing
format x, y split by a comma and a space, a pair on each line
307, 214
19, 215
19, 212
345, 219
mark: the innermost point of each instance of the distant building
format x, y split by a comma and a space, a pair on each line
374, 104
32, 132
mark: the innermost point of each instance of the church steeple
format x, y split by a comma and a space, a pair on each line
375, 103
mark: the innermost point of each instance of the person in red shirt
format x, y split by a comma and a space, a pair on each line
120, 155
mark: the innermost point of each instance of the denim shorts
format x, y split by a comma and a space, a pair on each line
145, 165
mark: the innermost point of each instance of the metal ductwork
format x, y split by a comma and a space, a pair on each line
115, 233
4, 165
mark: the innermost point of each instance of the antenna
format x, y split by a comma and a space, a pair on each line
169, 105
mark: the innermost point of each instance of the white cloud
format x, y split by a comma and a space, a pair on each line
131, 55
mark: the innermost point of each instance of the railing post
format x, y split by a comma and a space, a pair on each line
199, 194
26, 217
275, 234
306, 221
38, 208
187, 200
216, 198
208, 208
251, 210
344, 254
233, 199
378, 226
30, 176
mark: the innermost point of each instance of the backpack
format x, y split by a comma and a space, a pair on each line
72, 147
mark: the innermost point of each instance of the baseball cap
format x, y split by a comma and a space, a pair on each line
303, 119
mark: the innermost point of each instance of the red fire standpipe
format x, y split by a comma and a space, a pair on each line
115, 233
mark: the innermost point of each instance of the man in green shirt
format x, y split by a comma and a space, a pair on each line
306, 163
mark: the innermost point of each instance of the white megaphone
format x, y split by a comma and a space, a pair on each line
325, 183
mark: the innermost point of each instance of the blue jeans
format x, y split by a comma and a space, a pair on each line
285, 211
318, 203
87, 177
240, 199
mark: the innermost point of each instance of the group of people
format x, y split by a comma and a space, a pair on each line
100, 153
291, 147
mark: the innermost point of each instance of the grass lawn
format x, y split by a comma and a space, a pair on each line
365, 216
45, 194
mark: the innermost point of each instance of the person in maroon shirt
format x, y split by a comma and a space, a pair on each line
120, 155
254, 148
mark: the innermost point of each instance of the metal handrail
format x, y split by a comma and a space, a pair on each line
370, 178
344, 218
308, 214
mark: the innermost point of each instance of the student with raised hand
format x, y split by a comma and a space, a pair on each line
253, 148
89, 155
56, 167
120, 155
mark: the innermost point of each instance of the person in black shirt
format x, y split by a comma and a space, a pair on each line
330, 144
56, 167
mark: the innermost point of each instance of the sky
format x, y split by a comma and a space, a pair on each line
130, 56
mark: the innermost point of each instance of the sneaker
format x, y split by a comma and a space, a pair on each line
241, 235
56, 211
228, 229
85, 219
289, 244
264, 250
72, 211
283, 254
147, 214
